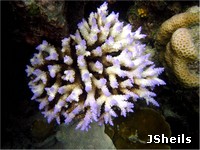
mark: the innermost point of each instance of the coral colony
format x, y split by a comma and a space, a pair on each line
100, 70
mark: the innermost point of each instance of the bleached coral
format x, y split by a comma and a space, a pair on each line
100, 69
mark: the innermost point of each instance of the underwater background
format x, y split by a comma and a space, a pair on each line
24, 24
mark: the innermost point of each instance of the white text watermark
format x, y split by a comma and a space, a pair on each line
163, 139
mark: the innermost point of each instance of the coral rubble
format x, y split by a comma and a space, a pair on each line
100, 69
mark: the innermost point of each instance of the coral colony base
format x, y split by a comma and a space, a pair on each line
100, 69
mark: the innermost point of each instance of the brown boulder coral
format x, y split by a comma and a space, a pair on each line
179, 52
181, 48
132, 132
177, 21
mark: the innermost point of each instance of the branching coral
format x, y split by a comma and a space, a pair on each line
100, 69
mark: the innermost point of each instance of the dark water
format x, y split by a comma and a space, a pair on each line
17, 108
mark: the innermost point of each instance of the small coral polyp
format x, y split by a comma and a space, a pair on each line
100, 69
